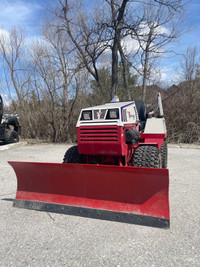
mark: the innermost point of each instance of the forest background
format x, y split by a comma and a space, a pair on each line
90, 51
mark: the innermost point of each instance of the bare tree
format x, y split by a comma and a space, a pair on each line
159, 27
17, 74
189, 71
85, 34
44, 82
92, 33
56, 82
189, 64
155, 25
182, 104
117, 14
16, 67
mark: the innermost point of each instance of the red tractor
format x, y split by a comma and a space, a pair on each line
121, 133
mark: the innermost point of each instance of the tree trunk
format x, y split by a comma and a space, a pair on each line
125, 73
116, 43
114, 87
145, 72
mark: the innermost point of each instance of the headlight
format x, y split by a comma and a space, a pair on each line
86, 115
113, 114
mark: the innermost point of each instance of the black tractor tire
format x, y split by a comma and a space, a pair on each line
147, 156
164, 154
11, 136
72, 156
132, 136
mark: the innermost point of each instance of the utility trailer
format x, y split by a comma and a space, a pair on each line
117, 171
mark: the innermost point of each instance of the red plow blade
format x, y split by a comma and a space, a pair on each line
124, 194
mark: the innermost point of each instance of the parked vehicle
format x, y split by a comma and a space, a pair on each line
9, 126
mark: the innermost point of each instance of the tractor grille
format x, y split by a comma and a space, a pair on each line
98, 134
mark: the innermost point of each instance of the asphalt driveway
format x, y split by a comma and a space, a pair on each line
33, 238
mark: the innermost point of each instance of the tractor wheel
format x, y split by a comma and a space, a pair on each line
163, 152
72, 156
11, 136
147, 156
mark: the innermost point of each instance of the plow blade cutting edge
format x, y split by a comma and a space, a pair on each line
115, 193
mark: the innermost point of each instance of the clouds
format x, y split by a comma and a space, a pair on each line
14, 13
4, 40
4, 34
129, 45
18, 13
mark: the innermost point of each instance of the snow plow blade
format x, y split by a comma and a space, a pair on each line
115, 193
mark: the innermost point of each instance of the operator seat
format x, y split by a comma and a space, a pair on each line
141, 109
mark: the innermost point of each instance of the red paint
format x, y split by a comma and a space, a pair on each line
153, 139
111, 141
101, 140
141, 191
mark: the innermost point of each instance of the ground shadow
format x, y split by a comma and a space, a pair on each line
8, 199
2, 143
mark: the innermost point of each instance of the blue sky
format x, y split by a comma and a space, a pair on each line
190, 38
25, 14
28, 15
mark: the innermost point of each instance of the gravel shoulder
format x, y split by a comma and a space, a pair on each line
32, 238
